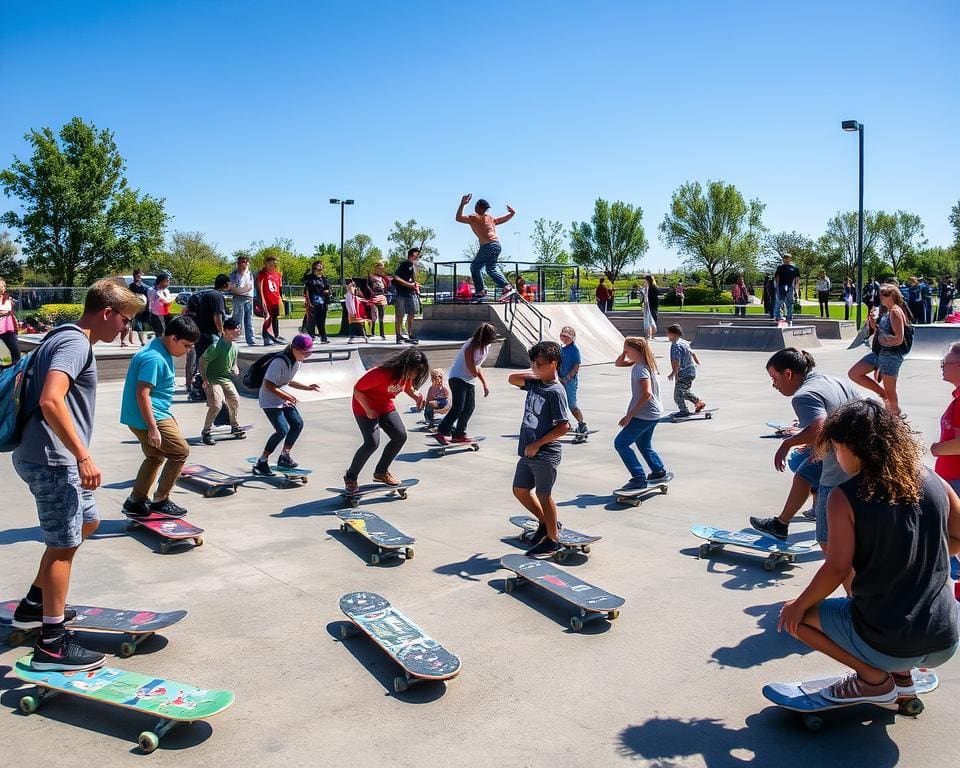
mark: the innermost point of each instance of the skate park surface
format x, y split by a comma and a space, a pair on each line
674, 681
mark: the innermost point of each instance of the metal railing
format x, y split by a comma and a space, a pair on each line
531, 327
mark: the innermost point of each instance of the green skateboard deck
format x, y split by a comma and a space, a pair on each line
290, 475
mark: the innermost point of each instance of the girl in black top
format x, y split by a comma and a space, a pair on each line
316, 296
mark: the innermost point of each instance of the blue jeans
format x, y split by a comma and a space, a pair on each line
243, 314
486, 259
640, 433
788, 300
287, 423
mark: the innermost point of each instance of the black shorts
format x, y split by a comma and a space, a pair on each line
535, 473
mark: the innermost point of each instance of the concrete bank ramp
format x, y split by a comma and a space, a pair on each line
757, 338
335, 371
930, 342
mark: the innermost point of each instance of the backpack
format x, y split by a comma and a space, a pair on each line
193, 303
13, 379
253, 378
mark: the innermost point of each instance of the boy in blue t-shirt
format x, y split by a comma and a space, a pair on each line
683, 368
145, 409
569, 373
545, 420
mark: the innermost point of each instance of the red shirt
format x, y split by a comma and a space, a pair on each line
380, 389
269, 285
948, 467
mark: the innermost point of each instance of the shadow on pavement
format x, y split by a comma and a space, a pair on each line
363, 548
586, 500
547, 605
311, 508
18, 535
470, 569
754, 650
744, 574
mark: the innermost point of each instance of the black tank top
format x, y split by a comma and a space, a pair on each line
903, 603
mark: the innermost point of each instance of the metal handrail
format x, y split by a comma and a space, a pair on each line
510, 312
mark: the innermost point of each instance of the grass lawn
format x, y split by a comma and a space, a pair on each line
836, 309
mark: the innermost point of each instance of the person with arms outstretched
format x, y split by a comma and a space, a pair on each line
484, 226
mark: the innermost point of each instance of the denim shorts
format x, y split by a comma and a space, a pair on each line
820, 508
406, 305
836, 621
570, 387
888, 362
809, 470
62, 505
535, 473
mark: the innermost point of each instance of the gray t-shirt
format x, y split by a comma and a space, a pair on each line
818, 397
545, 408
681, 352
67, 351
279, 372
651, 410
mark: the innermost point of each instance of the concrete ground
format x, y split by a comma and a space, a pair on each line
675, 681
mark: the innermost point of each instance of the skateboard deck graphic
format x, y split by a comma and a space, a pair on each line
439, 449
706, 413
139, 625
169, 700
777, 551
805, 697
389, 541
208, 481
592, 602
635, 497
570, 540
291, 475
172, 530
353, 499
420, 656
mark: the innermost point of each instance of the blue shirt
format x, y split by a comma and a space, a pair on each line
680, 351
154, 366
569, 357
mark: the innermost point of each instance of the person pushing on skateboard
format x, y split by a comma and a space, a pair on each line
484, 226
569, 374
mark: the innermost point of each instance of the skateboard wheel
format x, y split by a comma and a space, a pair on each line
402, 493
127, 650
708, 415
576, 623
664, 489
130, 525
769, 565
508, 585
303, 480
409, 553
164, 547
16, 637
148, 741
585, 549
614, 614
704, 551
813, 722
198, 541
560, 555
475, 447
911, 707
29, 704
400, 684
354, 503
343, 527
374, 559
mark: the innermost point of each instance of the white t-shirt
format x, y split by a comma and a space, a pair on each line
459, 369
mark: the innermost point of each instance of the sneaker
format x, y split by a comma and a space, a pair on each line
545, 546
208, 439
66, 655
29, 615
412, 340
852, 689
167, 508
507, 292
582, 428
635, 484
809, 514
280, 339
441, 438
324, 341
382, 337
286, 462
700, 406
133, 508
462, 439
653, 476
386, 478
534, 537
770, 525
350, 485
263, 468
906, 688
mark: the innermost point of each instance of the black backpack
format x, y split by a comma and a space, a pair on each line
253, 378
193, 303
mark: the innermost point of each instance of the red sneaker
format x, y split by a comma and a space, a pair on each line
463, 439
350, 485
442, 439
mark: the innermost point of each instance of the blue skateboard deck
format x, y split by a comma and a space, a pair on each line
777, 551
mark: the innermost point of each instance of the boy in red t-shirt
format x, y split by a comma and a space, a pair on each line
269, 283
947, 450
373, 408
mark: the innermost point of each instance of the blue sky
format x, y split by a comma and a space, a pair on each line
247, 117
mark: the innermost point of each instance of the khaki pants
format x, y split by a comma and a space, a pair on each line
216, 394
171, 455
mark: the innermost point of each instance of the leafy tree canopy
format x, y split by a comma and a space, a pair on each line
612, 240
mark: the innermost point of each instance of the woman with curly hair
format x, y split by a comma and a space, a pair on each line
895, 524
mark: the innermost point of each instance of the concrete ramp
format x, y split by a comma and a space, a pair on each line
598, 338
930, 342
756, 338
335, 371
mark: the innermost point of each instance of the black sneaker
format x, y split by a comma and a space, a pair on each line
263, 468
279, 340
534, 537
770, 525
133, 508
29, 615
65, 654
167, 508
654, 476
286, 462
547, 546
208, 439
412, 340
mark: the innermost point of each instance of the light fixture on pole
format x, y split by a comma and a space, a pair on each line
853, 125
341, 203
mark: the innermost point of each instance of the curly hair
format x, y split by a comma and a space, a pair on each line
891, 457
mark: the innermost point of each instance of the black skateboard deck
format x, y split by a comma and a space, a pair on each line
706, 413
635, 497
777, 551
592, 602
138, 625
353, 499
439, 449
291, 476
208, 481
420, 656
389, 541
171, 530
570, 540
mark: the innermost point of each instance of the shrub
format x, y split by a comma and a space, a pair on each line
58, 314
696, 297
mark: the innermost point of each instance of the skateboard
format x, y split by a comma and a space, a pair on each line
861, 338
777, 551
422, 426
292, 476
783, 430
353, 499
634, 497
169, 700
706, 413
220, 432
571, 541
593, 603
806, 699
171, 530
137, 625
388, 540
578, 437
208, 481
420, 656
439, 449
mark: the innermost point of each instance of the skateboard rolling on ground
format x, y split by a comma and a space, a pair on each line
292, 476
208, 481
423, 426
575, 438
137, 625
439, 449
171, 530
783, 430
634, 497
388, 540
169, 700
777, 551
420, 656
353, 499
592, 602
571, 541
805, 697
706, 413
219, 432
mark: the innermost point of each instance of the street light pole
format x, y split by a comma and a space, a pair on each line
853, 125
341, 203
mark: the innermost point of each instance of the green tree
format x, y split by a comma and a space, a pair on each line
359, 256
547, 239
80, 220
407, 236
800, 248
191, 260
932, 262
838, 244
613, 240
954, 220
11, 269
899, 237
716, 230
329, 254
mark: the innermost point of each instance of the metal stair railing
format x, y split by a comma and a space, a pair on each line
531, 328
